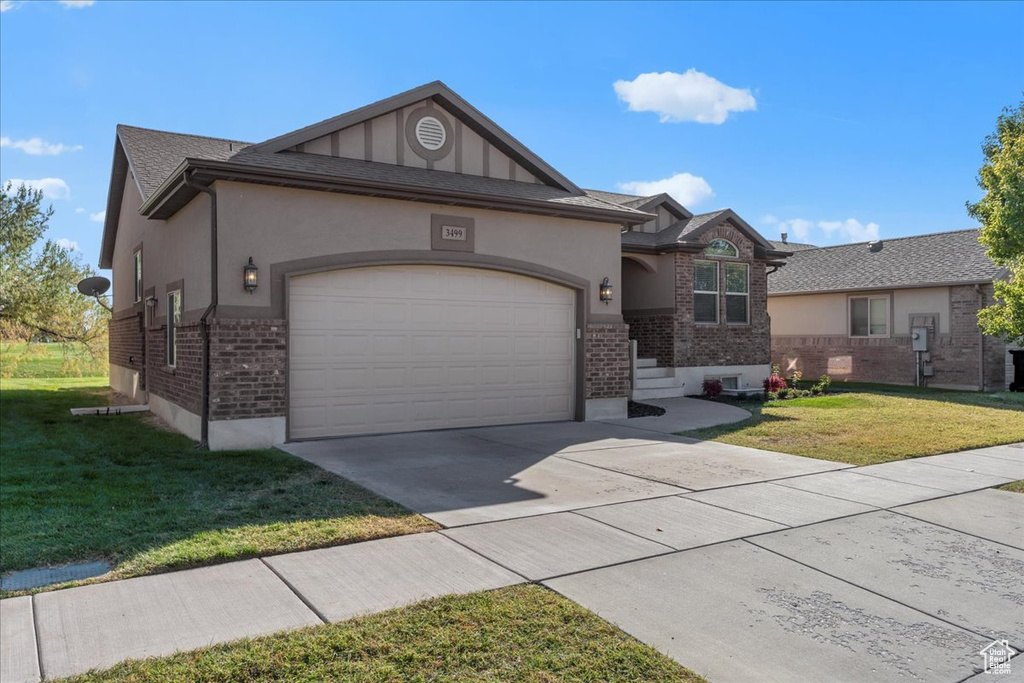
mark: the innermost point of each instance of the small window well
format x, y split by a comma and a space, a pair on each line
430, 133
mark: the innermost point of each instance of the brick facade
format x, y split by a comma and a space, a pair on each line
607, 361
181, 384
126, 346
248, 362
676, 340
954, 355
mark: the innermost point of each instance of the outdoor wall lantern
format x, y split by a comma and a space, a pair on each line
606, 291
249, 277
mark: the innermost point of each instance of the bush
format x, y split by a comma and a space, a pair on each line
795, 378
712, 388
774, 383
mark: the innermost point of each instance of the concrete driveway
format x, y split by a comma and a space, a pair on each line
740, 564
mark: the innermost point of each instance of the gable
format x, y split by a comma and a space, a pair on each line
391, 138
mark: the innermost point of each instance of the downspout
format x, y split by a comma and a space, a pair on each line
204, 326
981, 341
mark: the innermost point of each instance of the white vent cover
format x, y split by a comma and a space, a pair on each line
430, 133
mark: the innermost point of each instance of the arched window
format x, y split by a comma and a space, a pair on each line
721, 247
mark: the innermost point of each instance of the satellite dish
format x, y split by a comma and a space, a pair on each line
94, 286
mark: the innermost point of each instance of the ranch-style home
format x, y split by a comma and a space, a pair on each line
408, 266
898, 311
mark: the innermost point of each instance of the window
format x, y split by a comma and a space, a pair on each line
869, 316
137, 259
173, 321
705, 292
737, 293
720, 247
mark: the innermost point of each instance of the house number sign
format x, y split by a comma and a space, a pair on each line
453, 232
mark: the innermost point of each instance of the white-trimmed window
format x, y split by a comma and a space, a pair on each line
869, 316
705, 292
173, 321
721, 247
137, 263
737, 293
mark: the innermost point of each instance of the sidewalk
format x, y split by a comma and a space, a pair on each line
61, 633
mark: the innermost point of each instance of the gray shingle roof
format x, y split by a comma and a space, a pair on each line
154, 154
630, 200
791, 246
936, 259
673, 234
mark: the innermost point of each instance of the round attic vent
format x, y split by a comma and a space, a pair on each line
430, 133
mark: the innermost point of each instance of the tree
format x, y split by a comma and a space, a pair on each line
38, 294
1001, 212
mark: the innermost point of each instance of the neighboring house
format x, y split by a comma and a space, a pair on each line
850, 310
694, 294
418, 268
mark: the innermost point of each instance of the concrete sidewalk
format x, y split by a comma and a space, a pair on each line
838, 575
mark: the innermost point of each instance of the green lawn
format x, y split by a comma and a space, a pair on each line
142, 498
518, 634
868, 424
24, 360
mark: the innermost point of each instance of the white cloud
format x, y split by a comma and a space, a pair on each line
827, 232
77, 4
65, 243
769, 219
691, 96
685, 188
6, 5
79, 210
53, 188
38, 146
98, 217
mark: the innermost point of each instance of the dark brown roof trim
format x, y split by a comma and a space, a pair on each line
678, 247
674, 207
173, 194
454, 105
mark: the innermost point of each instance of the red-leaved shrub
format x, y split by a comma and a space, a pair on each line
712, 388
774, 383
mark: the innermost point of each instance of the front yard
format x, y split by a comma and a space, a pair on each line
869, 424
143, 499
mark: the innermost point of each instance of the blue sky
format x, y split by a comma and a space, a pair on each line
838, 121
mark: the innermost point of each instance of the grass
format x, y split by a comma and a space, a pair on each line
519, 634
39, 360
1015, 486
869, 424
142, 498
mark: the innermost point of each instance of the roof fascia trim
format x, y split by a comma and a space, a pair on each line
119, 169
677, 209
883, 288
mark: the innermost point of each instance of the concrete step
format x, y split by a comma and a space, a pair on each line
668, 392
646, 373
647, 362
657, 383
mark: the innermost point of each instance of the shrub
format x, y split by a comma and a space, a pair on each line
774, 383
771, 396
712, 388
823, 384
794, 379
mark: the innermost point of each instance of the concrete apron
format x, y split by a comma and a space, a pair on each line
761, 581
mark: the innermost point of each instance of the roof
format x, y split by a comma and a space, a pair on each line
162, 161
944, 258
791, 246
649, 203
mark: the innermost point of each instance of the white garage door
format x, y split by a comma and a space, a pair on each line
405, 348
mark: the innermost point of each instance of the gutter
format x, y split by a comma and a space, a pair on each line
204, 325
153, 206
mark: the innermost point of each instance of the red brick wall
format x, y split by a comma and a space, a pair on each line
179, 385
126, 347
607, 361
248, 359
891, 360
653, 335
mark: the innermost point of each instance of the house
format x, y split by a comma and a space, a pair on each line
851, 311
694, 294
405, 266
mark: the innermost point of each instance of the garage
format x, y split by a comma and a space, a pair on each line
411, 347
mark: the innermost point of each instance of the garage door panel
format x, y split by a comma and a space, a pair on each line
400, 348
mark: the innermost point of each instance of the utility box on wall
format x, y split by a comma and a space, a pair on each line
919, 338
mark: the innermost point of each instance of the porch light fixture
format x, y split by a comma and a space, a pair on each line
250, 280
606, 291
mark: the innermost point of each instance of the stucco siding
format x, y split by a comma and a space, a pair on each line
275, 225
645, 290
926, 300
821, 314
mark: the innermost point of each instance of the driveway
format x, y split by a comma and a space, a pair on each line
740, 564
743, 565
